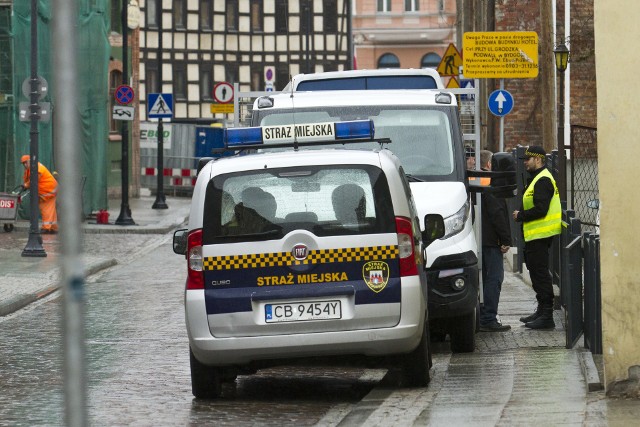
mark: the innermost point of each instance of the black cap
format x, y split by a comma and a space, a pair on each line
535, 151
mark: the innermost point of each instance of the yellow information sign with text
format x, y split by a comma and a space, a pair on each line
500, 55
221, 108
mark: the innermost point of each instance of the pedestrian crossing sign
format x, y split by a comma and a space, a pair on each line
160, 106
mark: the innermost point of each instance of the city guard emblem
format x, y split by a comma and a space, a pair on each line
376, 275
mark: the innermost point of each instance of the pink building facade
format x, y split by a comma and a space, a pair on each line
402, 33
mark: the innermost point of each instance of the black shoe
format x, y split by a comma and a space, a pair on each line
532, 317
544, 321
494, 327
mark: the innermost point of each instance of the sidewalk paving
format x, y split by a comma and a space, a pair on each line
24, 280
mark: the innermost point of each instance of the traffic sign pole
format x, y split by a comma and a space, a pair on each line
124, 218
501, 122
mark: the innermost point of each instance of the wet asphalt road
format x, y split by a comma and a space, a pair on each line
138, 361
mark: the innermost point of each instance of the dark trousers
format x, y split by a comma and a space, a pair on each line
492, 277
536, 256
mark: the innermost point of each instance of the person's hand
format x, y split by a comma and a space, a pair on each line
515, 215
504, 249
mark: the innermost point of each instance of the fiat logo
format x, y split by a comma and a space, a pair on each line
300, 252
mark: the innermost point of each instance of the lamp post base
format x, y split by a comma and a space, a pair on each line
160, 202
124, 218
34, 246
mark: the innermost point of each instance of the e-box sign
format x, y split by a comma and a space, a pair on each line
149, 135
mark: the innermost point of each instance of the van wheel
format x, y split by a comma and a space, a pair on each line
206, 381
463, 333
415, 365
8, 228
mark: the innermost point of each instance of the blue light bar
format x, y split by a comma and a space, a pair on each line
303, 132
243, 136
355, 129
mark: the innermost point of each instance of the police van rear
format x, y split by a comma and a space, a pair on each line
424, 127
303, 254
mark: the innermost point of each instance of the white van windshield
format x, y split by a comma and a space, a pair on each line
421, 138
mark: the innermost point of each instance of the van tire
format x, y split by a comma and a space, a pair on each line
206, 381
463, 333
417, 364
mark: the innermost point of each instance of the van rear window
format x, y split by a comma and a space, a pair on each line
369, 83
327, 201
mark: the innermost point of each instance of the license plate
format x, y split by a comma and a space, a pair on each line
301, 311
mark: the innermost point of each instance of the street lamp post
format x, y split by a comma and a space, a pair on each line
124, 218
561, 53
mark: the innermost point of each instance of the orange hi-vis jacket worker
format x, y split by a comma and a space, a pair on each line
47, 191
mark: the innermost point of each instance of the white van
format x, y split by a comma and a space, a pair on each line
424, 128
385, 79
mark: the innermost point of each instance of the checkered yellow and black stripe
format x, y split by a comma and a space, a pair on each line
282, 259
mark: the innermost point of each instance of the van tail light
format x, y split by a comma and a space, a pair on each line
195, 277
406, 247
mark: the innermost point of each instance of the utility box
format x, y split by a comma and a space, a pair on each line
208, 138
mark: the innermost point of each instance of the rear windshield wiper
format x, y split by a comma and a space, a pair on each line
267, 233
413, 178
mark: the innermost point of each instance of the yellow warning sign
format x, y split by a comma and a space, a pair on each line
221, 108
453, 83
500, 55
450, 62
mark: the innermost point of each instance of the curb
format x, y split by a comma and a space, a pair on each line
18, 302
590, 372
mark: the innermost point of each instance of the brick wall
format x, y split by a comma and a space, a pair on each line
524, 124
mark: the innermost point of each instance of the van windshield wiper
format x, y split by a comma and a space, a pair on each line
413, 178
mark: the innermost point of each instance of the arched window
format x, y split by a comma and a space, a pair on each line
388, 60
430, 60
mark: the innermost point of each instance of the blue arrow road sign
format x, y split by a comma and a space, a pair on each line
160, 106
500, 103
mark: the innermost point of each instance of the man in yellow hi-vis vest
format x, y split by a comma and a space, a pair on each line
541, 217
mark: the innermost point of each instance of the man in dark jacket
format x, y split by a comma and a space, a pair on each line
541, 216
496, 240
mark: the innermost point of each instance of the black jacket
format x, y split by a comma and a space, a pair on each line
496, 230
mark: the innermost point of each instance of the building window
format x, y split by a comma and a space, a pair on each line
151, 83
116, 17
306, 17
180, 80
206, 81
206, 15
232, 15
440, 5
388, 60
330, 16
282, 24
384, 5
411, 5
282, 76
152, 15
179, 14
231, 73
256, 16
115, 80
257, 78
430, 60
